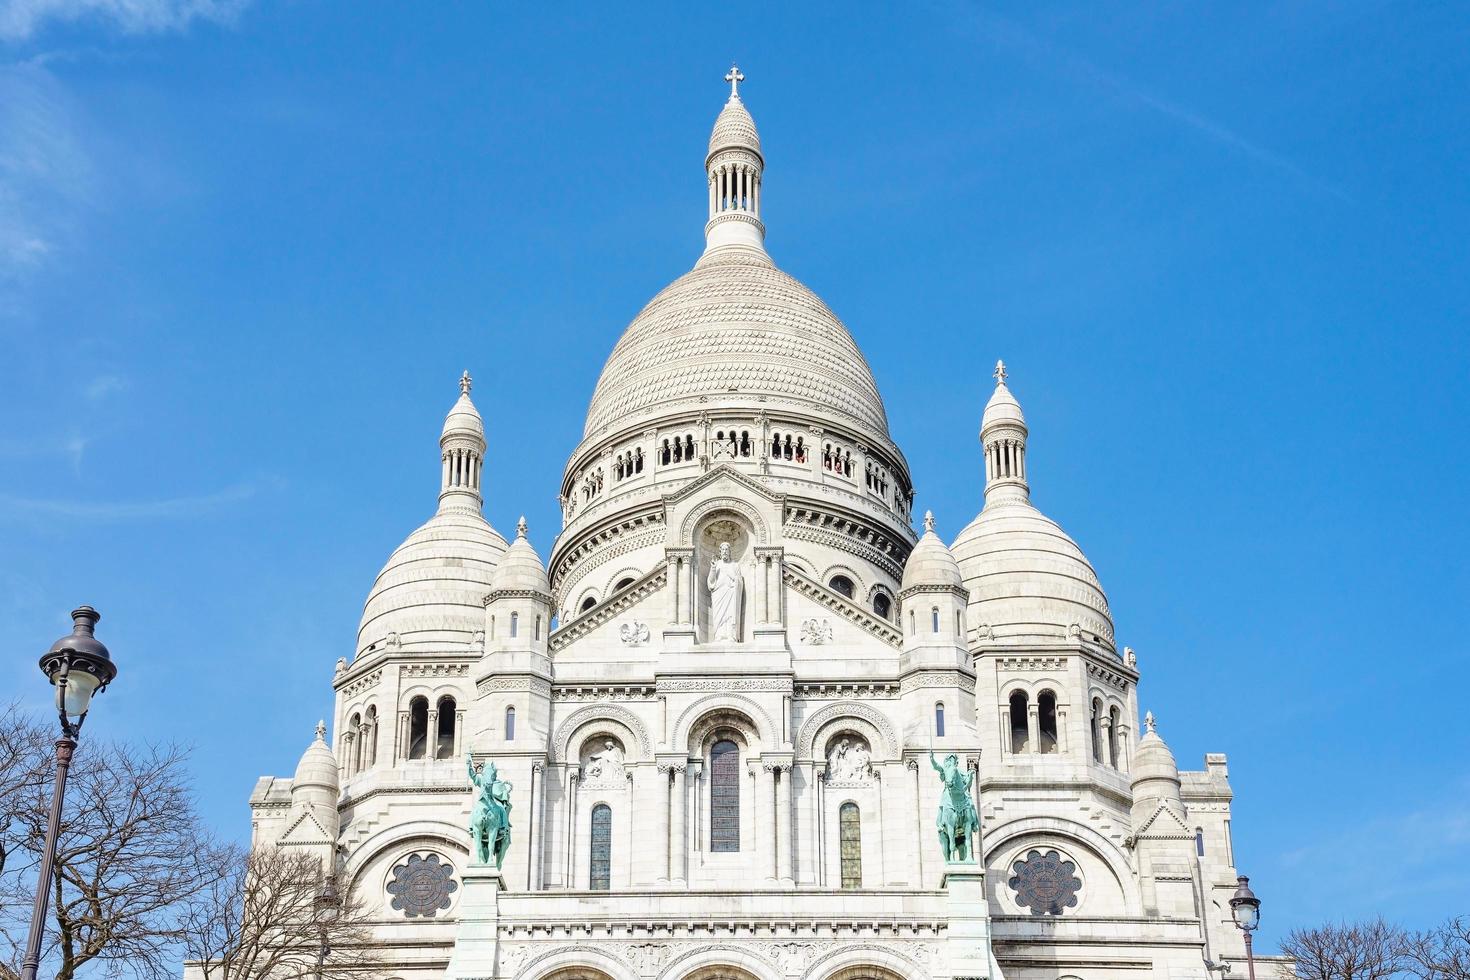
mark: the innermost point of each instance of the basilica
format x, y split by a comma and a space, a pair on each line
728, 711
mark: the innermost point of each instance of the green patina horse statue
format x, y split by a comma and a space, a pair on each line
959, 824
490, 818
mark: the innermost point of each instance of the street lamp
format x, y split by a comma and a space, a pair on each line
78, 666
1245, 909
326, 903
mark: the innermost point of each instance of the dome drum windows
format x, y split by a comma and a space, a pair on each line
433, 734
882, 604
732, 444
679, 449
628, 464
837, 460
786, 449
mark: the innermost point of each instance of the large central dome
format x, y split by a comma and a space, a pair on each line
735, 328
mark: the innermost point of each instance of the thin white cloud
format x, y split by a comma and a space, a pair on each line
104, 385
138, 510
46, 175
1040, 49
22, 19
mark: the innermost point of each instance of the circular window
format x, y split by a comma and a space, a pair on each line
421, 885
1045, 882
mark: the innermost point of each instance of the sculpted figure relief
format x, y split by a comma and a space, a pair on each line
958, 823
724, 596
606, 763
490, 817
849, 761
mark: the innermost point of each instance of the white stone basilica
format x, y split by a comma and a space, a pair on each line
716, 703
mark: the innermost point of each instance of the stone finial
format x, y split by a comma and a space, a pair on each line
1000, 372
1148, 723
465, 383
521, 527
321, 730
734, 76
928, 521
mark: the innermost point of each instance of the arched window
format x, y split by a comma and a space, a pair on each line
1020, 734
934, 617
623, 583
665, 454
911, 622
959, 623
370, 735
1114, 716
1199, 841
601, 878
689, 447
515, 622
882, 605
1097, 753
444, 723
724, 797
510, 724
939, 719
1046, 711
842, 585
588, 603
850, 836
418, 727
536, 630
354, 744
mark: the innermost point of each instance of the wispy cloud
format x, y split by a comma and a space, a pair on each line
46, 174
103, 385
21, 19
1040, 49
135, 510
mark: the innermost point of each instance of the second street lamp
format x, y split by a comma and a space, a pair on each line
78, 666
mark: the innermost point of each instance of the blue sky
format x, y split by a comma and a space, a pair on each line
246, 249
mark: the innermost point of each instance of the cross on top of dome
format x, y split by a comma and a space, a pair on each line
1000, 372
734, 76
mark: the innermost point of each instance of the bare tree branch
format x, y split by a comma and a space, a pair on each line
1442, 953
1345, 951
262, 920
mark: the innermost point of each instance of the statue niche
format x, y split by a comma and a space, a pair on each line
721, 545
602, 763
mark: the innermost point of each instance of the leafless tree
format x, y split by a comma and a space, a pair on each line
264, 920
130, 851
1442, 953
25, 755
1345, 951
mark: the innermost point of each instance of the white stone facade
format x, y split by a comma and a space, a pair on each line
764, 807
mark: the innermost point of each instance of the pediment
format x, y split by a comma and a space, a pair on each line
1166, 823
837, 605
306, 829
717, 475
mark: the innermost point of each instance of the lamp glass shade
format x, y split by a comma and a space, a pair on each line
74, 692
1247, 915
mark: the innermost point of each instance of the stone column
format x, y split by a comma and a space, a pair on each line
1033, 727
765, 818
661, 823
1062, 729
919, 829
784, 870
1104, 738
1005, 730
678, 838
1123, 762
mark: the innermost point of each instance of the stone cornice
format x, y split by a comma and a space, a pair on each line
607, 610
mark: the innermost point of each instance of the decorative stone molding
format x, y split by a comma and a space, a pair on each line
364, 683
847, 689
434, 670
1031, 664
767, 730
633, 633
923, 679
759, 531
600, 712
855, 537
687, 684
806, 741
1111, 678
603, 692
538, 686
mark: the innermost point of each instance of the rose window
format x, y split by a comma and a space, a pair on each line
422, 885
1045, 883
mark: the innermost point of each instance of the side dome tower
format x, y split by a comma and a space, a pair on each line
431, 591
1028, 580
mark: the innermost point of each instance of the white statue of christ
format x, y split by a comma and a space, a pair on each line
724, 596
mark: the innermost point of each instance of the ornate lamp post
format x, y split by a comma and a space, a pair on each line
1245, 909
325, 906
79, 666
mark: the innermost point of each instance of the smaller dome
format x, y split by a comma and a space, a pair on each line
930, 564
464, 419
1002, 406
734, 129
1155, 772
316, 779
520, 568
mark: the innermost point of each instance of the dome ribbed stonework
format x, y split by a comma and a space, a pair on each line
735, 327
734, 129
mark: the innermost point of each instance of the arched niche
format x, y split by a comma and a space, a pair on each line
716, 530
